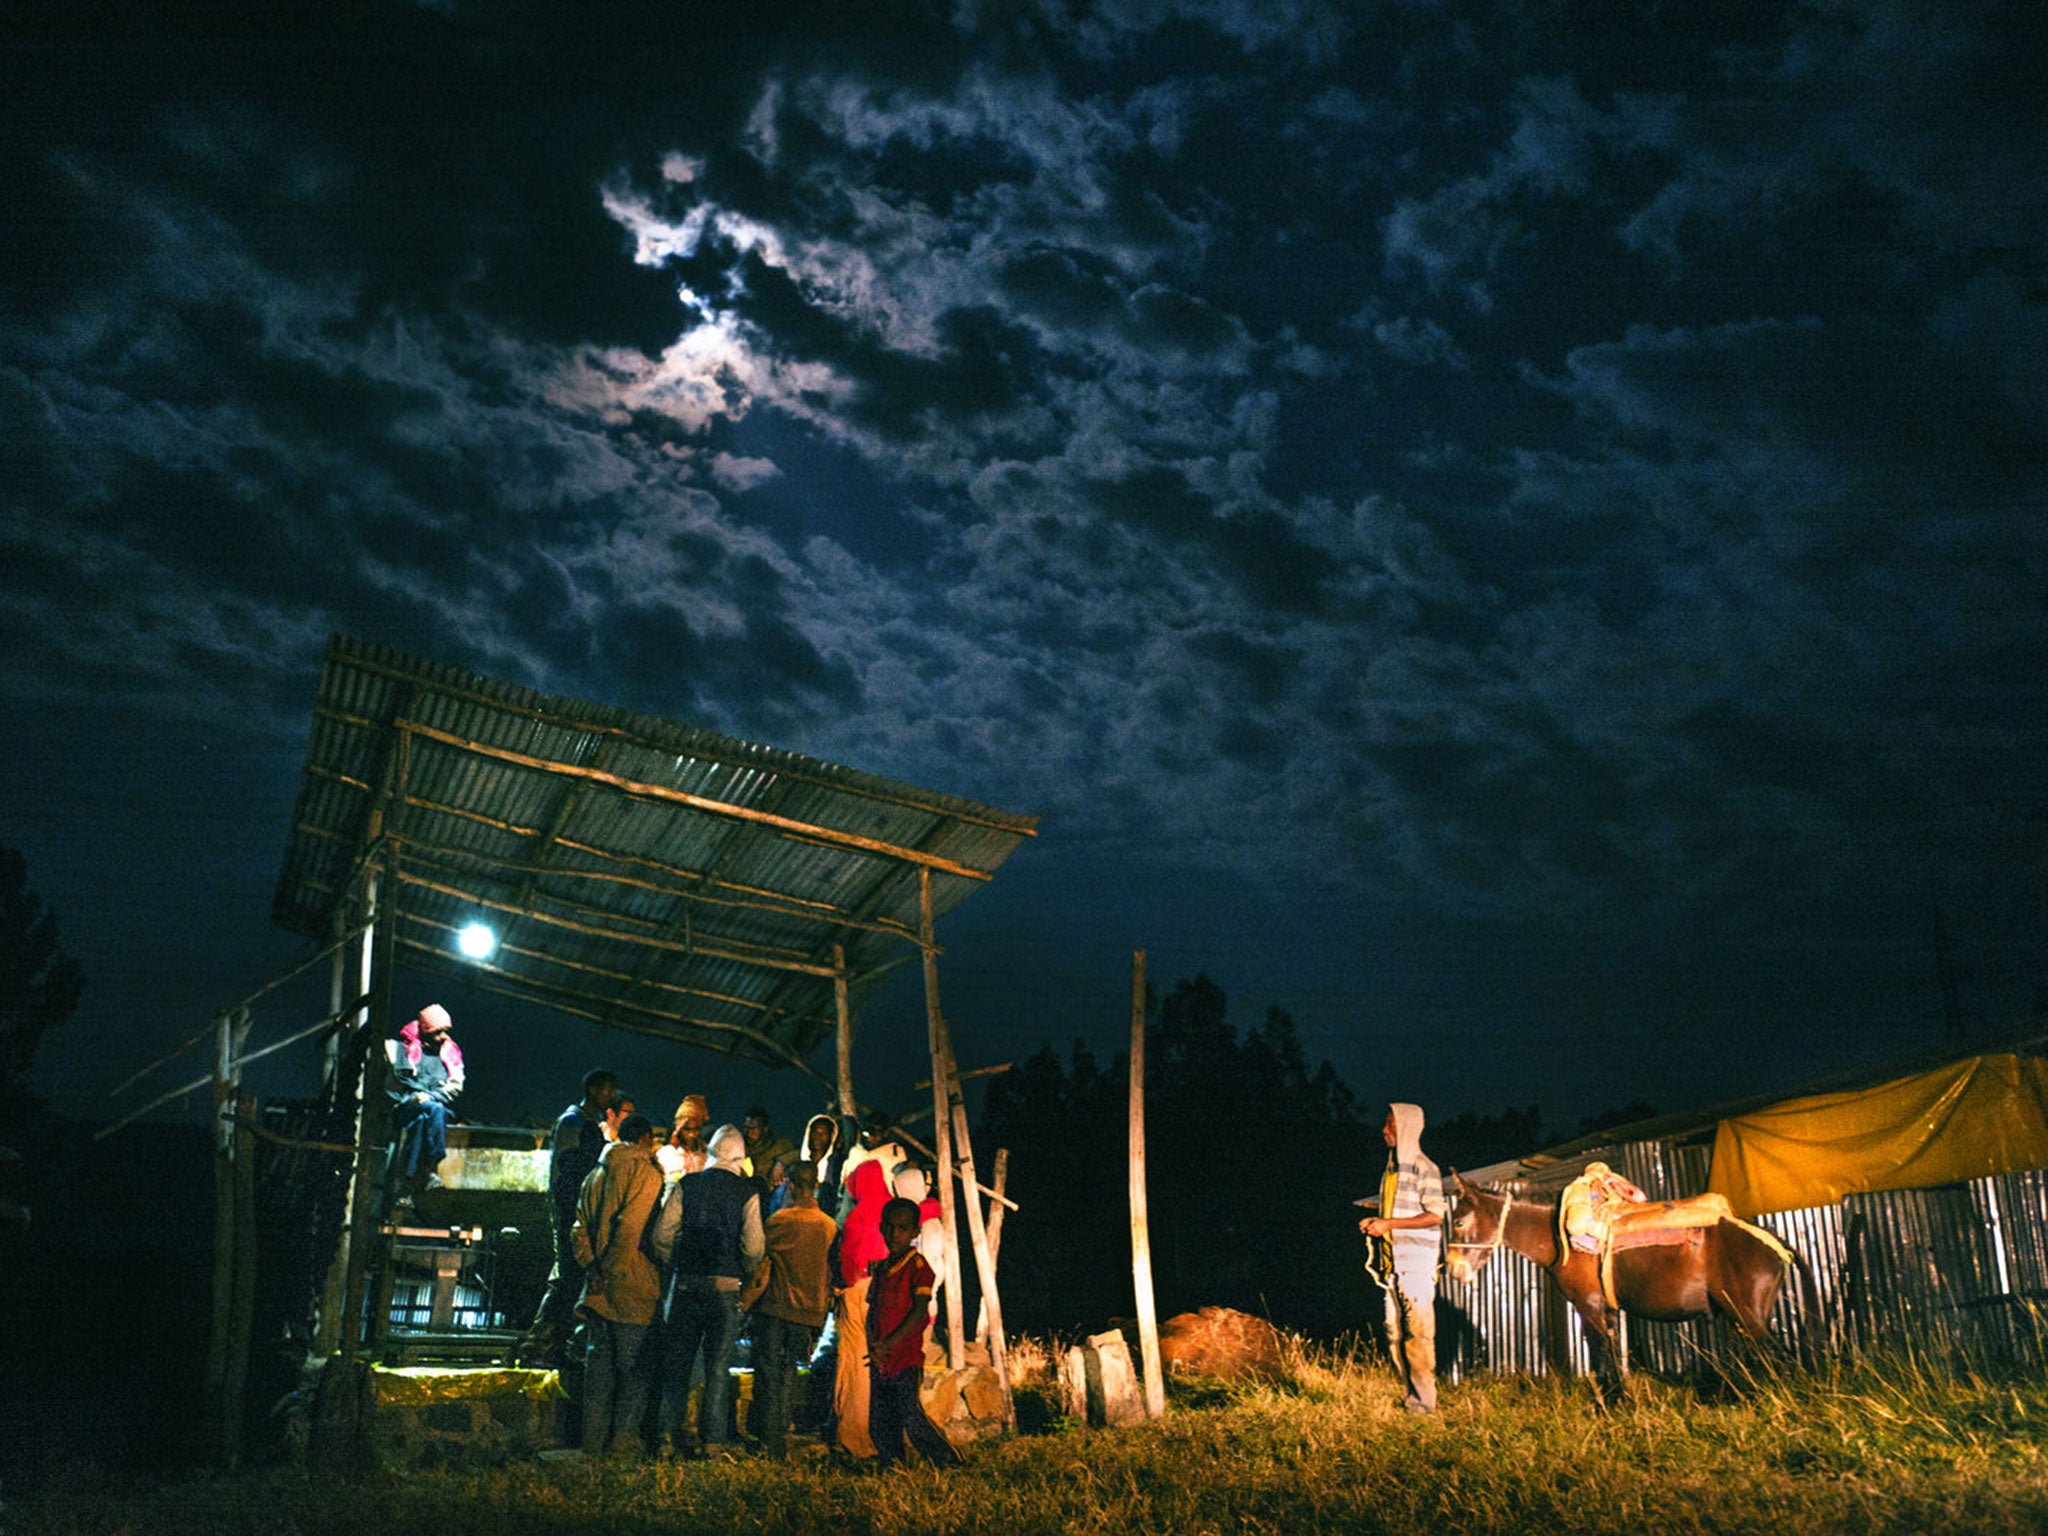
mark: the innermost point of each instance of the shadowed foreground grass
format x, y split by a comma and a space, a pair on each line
1853, 1449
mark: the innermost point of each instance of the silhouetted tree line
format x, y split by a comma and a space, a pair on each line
39, 984
1253, 1160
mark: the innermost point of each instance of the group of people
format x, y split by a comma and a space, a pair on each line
668, 1244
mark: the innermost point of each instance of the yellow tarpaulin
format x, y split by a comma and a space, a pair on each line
1968, 1120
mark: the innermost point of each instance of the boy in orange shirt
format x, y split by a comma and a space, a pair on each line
899, 1307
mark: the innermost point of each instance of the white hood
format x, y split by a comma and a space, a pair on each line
1407, 1132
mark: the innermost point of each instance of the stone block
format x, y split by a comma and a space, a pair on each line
1074, 1384
982, 1391
941, 1396
1114, 1396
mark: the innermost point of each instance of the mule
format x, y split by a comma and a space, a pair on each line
1726, 1268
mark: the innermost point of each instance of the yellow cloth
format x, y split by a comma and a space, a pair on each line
850, 1381
417, 1386
1382, 1249
1971, 1119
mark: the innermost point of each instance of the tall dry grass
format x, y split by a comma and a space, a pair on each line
1867, 1445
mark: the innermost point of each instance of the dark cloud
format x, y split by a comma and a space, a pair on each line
1548, 491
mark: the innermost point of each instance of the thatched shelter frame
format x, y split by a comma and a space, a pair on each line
648, 875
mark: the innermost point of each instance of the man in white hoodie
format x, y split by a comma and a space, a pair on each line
1410, 1219
707, 1236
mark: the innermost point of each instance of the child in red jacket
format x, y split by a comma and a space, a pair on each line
899, 1298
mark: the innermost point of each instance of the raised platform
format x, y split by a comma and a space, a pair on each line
430, 1416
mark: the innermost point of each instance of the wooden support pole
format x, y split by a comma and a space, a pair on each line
1003, 1066
934, 1022
345, 1083
242, 1308
337, 994
224, 1209
984, 1260
1141, 1232
998, 1177
371, 1129
844, 1032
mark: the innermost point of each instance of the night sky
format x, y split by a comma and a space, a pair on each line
1513, 532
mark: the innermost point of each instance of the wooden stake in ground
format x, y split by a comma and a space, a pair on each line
1141, 1232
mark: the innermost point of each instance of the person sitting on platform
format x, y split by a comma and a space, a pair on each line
425, 1077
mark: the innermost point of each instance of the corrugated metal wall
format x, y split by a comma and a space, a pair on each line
1959, 1273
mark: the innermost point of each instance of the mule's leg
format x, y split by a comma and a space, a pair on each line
1746, 1276
1579, 1279
1610, 1372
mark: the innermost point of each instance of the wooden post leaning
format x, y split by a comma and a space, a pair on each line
998, 1179
977, 1231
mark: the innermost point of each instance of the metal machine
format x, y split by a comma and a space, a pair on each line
462, 1267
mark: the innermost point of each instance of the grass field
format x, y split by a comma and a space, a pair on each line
1854, 1448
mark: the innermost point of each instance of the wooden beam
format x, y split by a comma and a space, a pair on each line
655, 1024
827, 836
842, 1033
743, 897
975, 1072
696, 744
577, 968
739, 956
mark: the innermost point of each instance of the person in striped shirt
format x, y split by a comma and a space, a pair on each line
1410, 1221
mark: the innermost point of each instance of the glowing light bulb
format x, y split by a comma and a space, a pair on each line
476, 941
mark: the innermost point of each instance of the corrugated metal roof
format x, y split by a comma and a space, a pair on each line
653, 876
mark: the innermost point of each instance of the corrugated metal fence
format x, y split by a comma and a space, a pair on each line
1955, 1272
